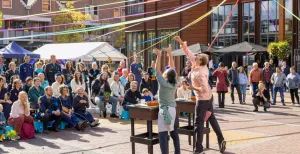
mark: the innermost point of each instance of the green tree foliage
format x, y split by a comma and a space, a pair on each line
1, 19
119, 37
70, 17
281, 50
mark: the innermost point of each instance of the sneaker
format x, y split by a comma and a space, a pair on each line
265, 109
255, 110
104, 114
95, 123
16, 138
222, 146
283, 104
113, 116
82, 125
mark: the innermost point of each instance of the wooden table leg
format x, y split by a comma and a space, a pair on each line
132, 134
189, 124
207, 135
150, 133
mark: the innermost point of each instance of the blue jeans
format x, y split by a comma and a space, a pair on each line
275, 90
112, 100
85, 115
243, 91
254, 87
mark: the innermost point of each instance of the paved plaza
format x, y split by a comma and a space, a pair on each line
274, 132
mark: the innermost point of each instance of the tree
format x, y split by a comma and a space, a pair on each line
281, 50
70, 16
119, 36
1, 19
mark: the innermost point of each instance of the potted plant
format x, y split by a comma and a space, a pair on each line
106, 96
11, 135
281, 50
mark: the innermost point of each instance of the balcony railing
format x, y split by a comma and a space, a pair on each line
43, 38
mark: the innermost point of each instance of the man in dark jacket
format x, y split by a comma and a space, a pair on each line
100, 87
131, 95
51, 69
146, 83
49, 110
26, 69
266, 77
234, 82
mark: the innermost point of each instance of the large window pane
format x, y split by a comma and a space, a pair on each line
288, 21
248, 22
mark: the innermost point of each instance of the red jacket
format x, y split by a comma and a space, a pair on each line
221, 80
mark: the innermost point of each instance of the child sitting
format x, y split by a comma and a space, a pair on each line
146, 95
2, 123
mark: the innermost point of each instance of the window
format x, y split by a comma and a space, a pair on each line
7, 3
248, 22
63, 5
269, 22
228, 36
46, 5
133, 9
289, 21
116, 12
133, 38
92, 10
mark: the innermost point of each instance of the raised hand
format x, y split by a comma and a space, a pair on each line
178, 39
169, 49
157, 51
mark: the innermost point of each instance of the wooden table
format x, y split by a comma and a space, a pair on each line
189, 107
148, 138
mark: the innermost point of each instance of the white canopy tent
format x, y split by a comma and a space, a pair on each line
86, 51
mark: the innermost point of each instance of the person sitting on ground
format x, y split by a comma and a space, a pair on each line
27, 85
35, 92
77, 82
131, 95
146, 83
2, 123
49, 110
66, 110
39, 69
261, 96
44, 83
99, 88
130, 78
4, 98
16, 88
93, 73
117, 87
59, 81
20, 118
80, 104
183, 90
146, 95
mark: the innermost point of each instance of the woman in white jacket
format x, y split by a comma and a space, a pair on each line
117, 87
77, 82
59, 81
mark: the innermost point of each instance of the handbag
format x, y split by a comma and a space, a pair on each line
65, 109
267, 104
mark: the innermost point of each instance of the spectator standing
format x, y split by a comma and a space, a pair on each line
121, 67
243, 83
12, 71
26, 69
187, 69
293, 83
266, 77
221, 74
254, 77
51, 69
38, 69
278, 79
234, 82
136, 68
152, 72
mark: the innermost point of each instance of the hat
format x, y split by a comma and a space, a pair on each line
115, 73
57, 75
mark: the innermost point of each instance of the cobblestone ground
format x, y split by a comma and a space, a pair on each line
274, 132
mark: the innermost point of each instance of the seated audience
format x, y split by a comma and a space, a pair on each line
16, 88
117, 87
38, 69
77, 82
49, 110
6, 103
20, 118
80, 104
132, 95
146, 95
35, 92
66, 110
12, 71
183, 90
28, 84
146, 83
59, 81
2, 123
130, 78
44, 83
99, 88
9, 86
124, 76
